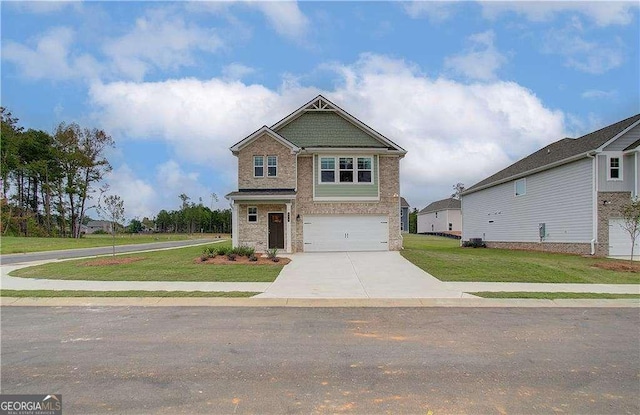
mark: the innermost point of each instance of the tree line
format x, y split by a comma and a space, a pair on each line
193, 218
49, 180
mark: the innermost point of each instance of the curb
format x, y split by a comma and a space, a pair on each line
313, 302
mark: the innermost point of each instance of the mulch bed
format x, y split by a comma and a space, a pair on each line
110, 261
619, 266
223, 260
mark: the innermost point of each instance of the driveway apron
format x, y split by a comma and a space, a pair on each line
356, 275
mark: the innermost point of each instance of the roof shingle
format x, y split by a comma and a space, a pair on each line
443, 204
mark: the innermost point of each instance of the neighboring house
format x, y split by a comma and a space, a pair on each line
318, 180
565, 197
404, 215
94, 225
443, 216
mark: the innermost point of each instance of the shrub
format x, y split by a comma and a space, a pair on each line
474, 243
231, 256
275, 259
243, 250
204, 256
253, 258
272, 253
222, 250
100, 232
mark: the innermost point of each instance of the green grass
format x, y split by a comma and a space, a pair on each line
554, 296
69, 293
446, 260
19, 244
169, 265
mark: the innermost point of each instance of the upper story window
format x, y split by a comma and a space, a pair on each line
346, 169
258, 166
272, 166
520, 187
614, 171
252, 214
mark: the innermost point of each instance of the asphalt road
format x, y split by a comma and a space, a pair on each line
103, 250
189, 360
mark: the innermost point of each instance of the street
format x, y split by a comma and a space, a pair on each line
225, 360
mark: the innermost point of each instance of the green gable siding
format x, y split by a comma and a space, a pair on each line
345, 190
326, 129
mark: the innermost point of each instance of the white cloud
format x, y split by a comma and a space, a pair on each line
435, 11
44, 6
480, 61
159, 40
140, 198
236, 71
603, 13
599, 94
592, 57
453, 131
51, 57
284, 16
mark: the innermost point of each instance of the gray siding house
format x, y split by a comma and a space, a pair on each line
442, 216
565, 197
404, 215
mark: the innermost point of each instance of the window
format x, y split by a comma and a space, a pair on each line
520, 187
346, 170
615, 168
258, 166
327, 170
272, 166
364, 169
451, 226
252, 214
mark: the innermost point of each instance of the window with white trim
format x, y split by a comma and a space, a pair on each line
252, 214
327, 170
258, 166
364, 169
615, 168
520, 187
272, 166
345, 168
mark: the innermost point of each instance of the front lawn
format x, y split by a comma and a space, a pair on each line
169, 265
446, 260
23, 244
119, 294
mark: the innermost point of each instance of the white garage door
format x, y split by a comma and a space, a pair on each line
620, 241
346, 233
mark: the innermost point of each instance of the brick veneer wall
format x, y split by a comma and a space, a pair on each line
389, 173
255, 234
564, 248
615, 201
266, 146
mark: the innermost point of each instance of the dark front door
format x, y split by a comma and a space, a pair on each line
276, 230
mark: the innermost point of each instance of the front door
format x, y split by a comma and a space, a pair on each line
276, 230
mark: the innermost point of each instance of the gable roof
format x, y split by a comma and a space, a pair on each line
443, 204
258, 133
404, 203
559, 152
324, 124
633, 145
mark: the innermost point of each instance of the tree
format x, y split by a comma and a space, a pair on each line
631, 221
111, 208
135, 226
413, 221
458, 188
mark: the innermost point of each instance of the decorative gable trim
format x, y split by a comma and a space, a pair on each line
262, 131
620, 134
320, 103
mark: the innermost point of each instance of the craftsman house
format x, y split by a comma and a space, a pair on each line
318, 180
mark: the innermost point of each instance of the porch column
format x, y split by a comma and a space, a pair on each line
287, 229
234, 224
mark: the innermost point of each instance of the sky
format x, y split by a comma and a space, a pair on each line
467, 88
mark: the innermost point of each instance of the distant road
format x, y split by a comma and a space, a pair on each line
103, 250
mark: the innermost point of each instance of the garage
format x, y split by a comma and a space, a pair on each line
620, 241
336, 233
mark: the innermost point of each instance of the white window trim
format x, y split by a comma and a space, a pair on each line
515, 187
251, 214
336, 169
620, 158
276, 166
254, 166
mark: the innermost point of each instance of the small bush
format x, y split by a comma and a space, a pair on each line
272, 253
100, 232
253, 258
243, 250
275, 259
474, 244
231, 256
222, 250
204, 257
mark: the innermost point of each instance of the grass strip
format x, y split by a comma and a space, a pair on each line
553, 296
133, 293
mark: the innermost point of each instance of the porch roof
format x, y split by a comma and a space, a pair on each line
262, 194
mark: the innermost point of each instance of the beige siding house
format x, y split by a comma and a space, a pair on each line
318, 180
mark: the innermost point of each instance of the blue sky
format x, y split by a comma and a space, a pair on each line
467, 88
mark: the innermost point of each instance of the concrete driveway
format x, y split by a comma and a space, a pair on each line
356, 275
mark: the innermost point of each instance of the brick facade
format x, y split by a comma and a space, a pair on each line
563, 248
266, 146
614, 202
256, 234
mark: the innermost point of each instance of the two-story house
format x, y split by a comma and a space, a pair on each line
318, 180
441, 216
565, 197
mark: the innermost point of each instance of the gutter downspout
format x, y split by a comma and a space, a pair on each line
594, 215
